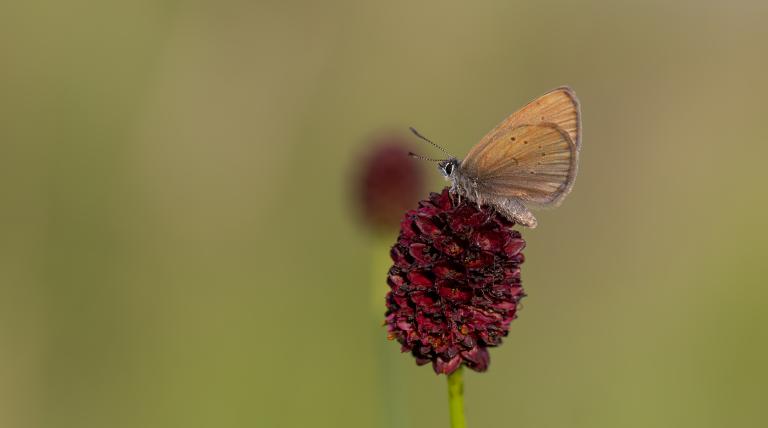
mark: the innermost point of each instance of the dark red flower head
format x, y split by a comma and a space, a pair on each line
388, 181
455, 283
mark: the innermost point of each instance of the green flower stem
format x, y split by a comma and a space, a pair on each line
456, 399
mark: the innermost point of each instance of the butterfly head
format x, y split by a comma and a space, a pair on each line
448, 167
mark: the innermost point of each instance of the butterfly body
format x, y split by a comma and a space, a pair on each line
464, 185
529, 159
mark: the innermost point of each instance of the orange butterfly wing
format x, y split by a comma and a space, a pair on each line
559, 106
533, 154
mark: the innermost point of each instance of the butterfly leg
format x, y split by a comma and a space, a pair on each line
478, 199
454, 192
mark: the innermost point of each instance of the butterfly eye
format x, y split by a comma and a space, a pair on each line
449, 169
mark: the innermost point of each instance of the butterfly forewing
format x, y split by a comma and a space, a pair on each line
533, 154
558, 106
534, 163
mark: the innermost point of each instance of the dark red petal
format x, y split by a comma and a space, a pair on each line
426, 226
417, 278
488, 240
517, 290
467, 216
422, 299
395, 281
420, 252
445, 270
400, 301
448, 246
513, 247
506, 305
442, 200
512, 272
477, 358
429, 209
398, 257
406, 227
446, 367
479, 260
422, 361
404, 325
453, 291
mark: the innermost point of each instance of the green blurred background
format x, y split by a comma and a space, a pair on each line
178, 248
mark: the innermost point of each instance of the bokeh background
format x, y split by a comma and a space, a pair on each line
178, 247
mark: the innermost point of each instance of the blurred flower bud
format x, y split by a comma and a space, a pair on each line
388, 182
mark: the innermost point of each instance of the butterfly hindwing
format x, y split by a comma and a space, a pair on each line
533, 163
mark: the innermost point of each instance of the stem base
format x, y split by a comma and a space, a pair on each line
456, 398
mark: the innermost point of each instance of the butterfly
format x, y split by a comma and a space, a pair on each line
528, 160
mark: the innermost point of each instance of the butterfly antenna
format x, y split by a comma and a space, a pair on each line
416, 133
414, 155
